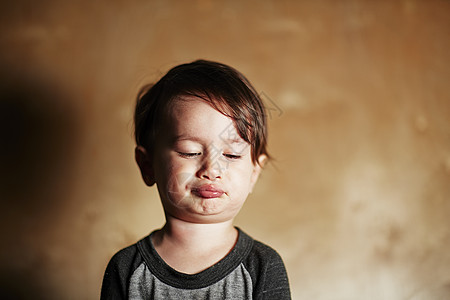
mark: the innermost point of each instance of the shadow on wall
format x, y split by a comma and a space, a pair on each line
37, 132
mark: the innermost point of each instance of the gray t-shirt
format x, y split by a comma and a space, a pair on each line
251, 270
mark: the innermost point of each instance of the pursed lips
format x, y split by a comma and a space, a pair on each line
208, 191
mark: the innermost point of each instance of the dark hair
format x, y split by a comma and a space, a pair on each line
225, 88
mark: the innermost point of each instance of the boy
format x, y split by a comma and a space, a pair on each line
201, 138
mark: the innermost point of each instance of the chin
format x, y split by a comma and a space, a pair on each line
207, 217
211, 206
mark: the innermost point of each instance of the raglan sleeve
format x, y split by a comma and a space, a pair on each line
268, 273
276, 283
117, 274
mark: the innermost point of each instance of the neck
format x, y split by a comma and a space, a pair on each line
192, 247
193, 235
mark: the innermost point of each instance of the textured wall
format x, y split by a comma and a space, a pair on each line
358, 200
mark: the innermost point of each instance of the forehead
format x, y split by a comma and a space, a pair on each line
194, 117
196, 100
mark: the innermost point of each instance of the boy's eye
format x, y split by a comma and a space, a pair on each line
189, 154
232, 156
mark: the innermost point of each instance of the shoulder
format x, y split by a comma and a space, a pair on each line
262, 257
268, 272
258, 253
265, 251
124, 255
124, 261
117, 274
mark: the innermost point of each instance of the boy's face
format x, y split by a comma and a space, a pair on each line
202, 167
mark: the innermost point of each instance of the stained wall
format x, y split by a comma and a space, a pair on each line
358, 199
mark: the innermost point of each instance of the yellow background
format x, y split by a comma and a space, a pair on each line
358, 199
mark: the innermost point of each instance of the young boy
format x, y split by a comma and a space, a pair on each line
201, 138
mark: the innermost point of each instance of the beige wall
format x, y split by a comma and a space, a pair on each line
358, 201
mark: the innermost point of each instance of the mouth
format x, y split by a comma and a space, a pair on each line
207, 191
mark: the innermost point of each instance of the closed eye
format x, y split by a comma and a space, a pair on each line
189, 154
232, 156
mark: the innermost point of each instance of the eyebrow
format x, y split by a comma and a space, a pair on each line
235, 141
184, 137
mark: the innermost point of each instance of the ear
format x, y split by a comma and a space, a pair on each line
145, 164
257, 170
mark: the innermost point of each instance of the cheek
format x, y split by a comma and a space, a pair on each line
175, 186
178, 182
179, 173
240, 179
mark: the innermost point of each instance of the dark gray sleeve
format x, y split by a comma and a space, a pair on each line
268, 273
116, 279
276, 284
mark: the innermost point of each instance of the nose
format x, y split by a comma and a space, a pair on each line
210, 169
